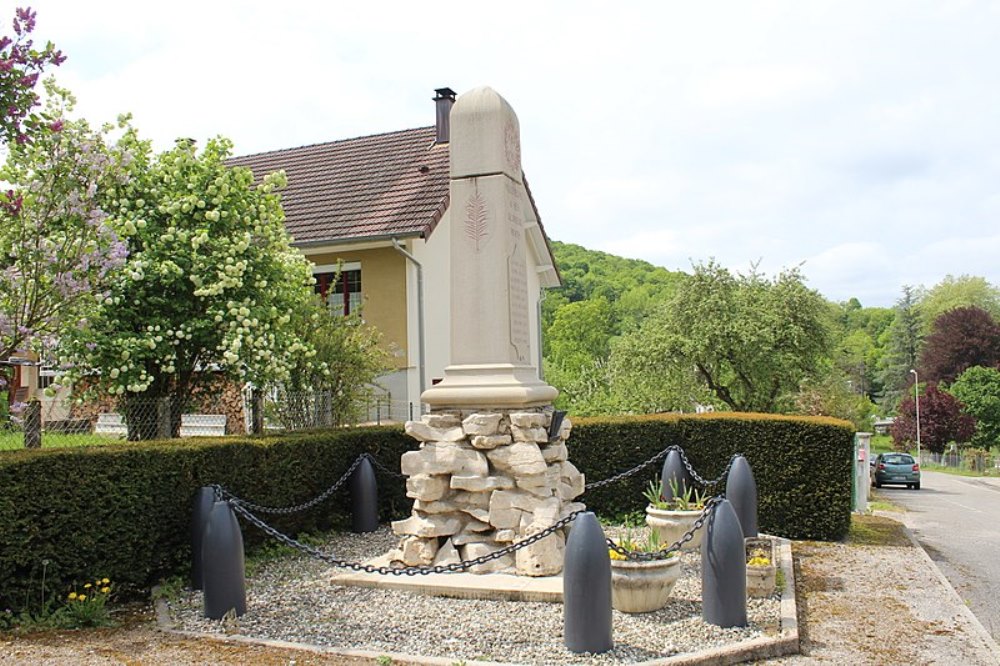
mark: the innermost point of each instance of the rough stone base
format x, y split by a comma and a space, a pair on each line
483, 480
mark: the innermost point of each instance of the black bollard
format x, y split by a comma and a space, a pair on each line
203, 502
364, 498
673, 468
222, 564
723, 569
741, 490
587, 588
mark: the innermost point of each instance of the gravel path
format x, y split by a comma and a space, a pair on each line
292, 599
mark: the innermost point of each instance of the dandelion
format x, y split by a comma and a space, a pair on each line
105, 581
87, 586
72, 596
105, 589
82, 597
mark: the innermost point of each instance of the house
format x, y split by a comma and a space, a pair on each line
378, 207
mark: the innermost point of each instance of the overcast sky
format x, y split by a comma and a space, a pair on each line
859, 139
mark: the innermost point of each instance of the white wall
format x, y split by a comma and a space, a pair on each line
435, 256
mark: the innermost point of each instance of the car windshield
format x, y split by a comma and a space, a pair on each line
898, 460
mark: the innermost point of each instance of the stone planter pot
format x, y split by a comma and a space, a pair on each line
671, 525
761, 578
641, 587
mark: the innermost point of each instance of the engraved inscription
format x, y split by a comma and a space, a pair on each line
476, 221
518, 293
514, 218
512, 147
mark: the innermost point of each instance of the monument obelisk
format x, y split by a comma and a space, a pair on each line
489, 472
490, 333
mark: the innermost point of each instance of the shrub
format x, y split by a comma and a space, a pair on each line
802, 465
125, 510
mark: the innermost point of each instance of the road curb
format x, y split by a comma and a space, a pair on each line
977, 626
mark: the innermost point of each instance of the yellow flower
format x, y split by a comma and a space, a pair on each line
82, 597
87, 586
72, 595
105, 581
105, 589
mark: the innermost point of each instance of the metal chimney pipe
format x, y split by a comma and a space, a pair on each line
444, 99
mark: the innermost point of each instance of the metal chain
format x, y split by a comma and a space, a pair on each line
702, 482
664, 553
384, 468
222, 493
403, 571
687, 465
638, 468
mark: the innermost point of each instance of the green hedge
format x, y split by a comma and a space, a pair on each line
123, 511
802, 465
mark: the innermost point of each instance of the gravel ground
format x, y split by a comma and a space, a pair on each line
292, 599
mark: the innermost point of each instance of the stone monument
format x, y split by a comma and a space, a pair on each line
488, 472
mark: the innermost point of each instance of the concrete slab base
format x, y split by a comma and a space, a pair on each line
503, 587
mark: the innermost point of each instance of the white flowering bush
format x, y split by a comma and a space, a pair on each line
210, 282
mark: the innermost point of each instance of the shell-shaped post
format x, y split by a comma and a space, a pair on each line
364, 498
223, 566
587, 588
723, 569
741, 491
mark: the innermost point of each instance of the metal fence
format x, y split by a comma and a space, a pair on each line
975, 461
65, 422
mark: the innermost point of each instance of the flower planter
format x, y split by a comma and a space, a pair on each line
641, 587
761, 577
672, 525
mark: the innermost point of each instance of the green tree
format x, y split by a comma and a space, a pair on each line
902, 342
978, 389
956, 292
579, 345
347, 362
645, 379
748, 339
833, 394
210, 283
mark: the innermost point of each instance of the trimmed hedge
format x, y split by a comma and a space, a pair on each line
124, 511
802, 465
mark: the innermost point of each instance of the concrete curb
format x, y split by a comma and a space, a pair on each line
785, 643
977, 626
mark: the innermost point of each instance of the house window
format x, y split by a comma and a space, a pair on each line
341, 291
46, 377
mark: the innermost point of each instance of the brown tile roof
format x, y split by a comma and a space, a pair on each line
393, 184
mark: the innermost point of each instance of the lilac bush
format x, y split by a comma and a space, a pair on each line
21, 65
57, 244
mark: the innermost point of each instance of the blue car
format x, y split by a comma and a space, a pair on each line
895, 468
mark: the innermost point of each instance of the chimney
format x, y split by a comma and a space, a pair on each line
443, 100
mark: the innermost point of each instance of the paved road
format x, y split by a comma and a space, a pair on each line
957, 520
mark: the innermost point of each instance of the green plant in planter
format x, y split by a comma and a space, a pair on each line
689, 500
639, 544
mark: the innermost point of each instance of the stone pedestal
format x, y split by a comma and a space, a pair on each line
483, 480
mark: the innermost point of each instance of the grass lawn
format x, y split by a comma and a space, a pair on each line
14, 439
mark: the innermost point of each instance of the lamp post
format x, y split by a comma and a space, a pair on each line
916, 399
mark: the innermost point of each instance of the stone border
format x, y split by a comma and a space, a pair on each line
785, 643
977, 626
